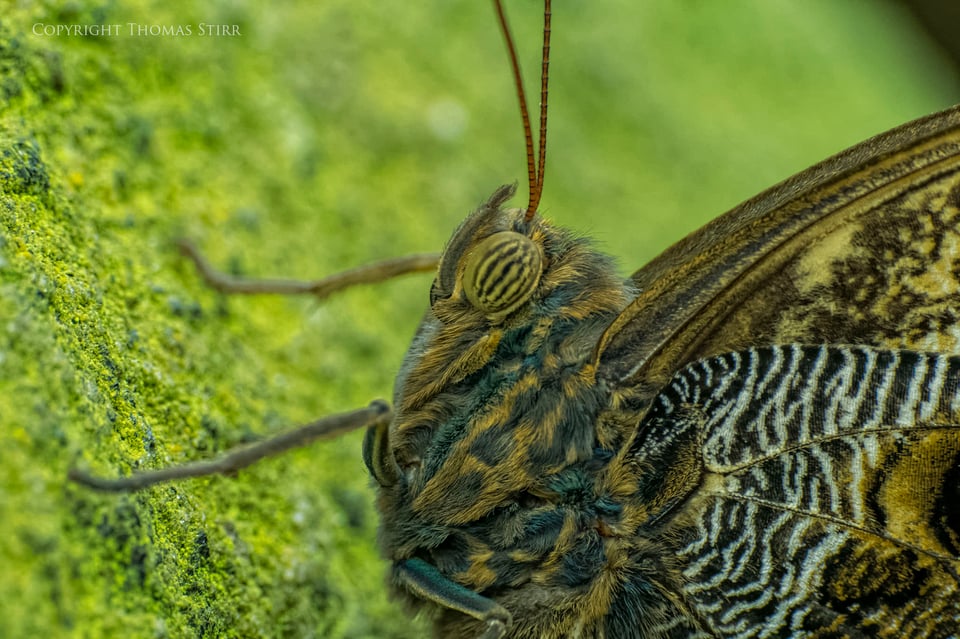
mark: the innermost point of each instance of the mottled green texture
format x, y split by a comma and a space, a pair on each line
301, 147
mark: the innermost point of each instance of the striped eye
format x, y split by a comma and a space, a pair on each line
502, 272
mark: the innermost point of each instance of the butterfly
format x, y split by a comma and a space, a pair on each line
756, 434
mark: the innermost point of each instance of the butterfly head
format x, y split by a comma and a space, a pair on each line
494, 439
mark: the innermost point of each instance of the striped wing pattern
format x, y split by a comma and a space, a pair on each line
829, 501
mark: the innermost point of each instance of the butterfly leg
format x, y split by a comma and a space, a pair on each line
367, 274
426, 582
377, 413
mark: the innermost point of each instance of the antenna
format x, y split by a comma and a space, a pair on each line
535, 165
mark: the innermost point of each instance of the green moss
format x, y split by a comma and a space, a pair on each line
323, 137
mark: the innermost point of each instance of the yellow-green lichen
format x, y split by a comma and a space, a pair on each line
321, 137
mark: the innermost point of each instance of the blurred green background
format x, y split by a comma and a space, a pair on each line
324, 136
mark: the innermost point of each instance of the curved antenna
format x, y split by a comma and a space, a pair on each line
544, 82
535, 165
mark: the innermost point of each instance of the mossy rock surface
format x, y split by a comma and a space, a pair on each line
301, 140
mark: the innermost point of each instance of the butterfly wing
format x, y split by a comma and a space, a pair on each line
824, 501
827, 496
861, 249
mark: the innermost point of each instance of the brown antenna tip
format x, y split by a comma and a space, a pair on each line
535, 164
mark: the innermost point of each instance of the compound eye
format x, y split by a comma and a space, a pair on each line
502, 272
